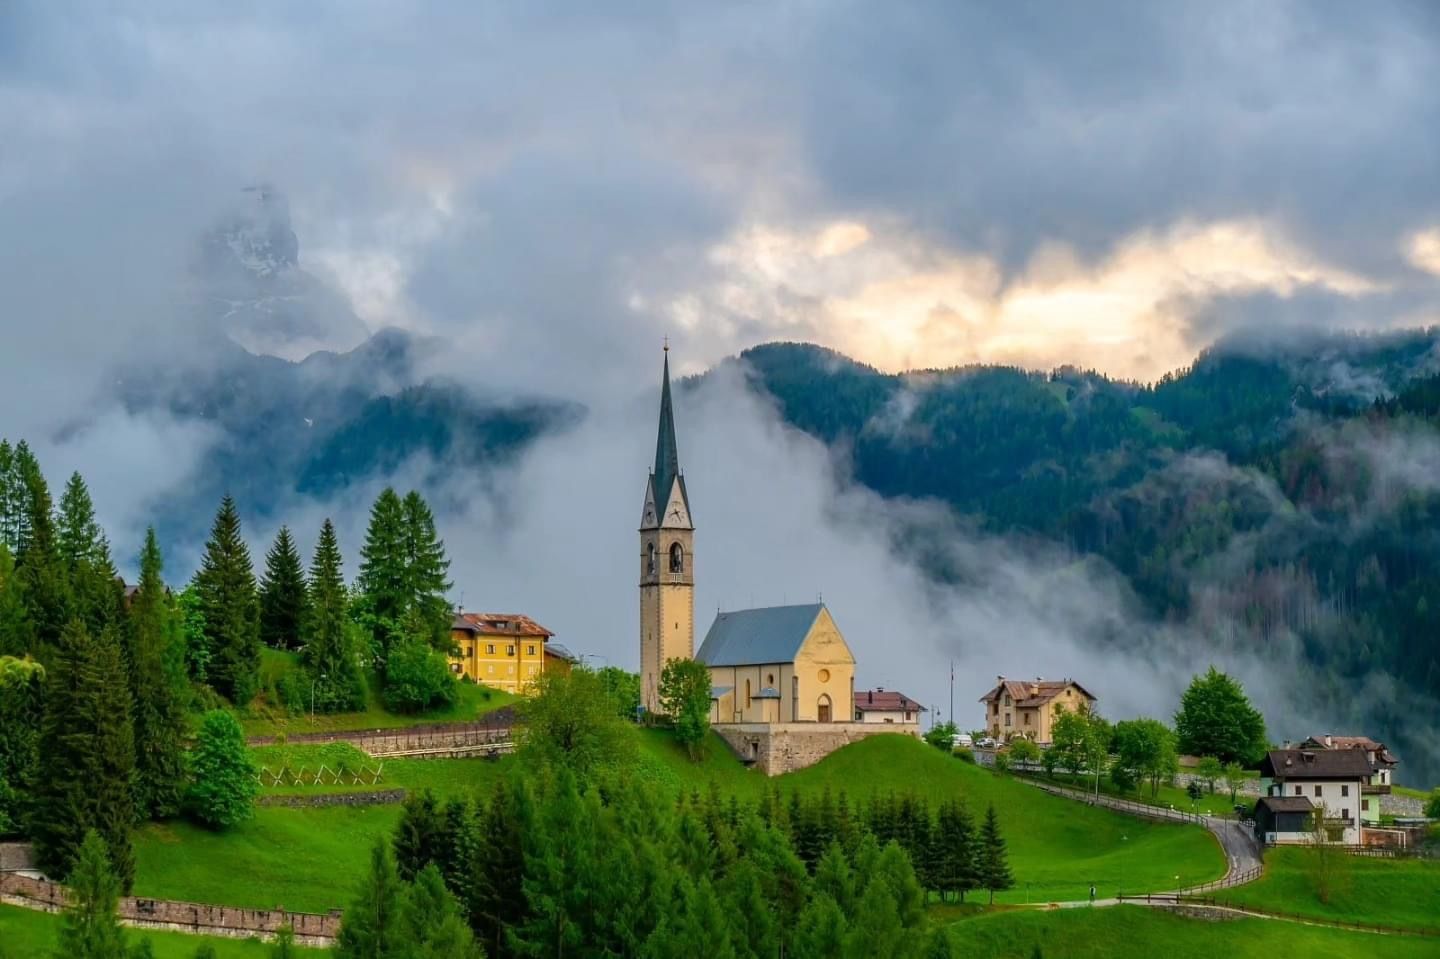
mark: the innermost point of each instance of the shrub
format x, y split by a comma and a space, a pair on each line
224, 787
1432, 805
964, 754
1002, 762
418, 678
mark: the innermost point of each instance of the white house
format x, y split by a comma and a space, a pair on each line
1382, 768
1332, 780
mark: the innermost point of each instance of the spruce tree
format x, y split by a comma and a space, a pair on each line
426, 570
224, 787
87, 756
994, 863
955, 850
90, 928
15, 634
329, 652
226, 588
821, 931
40, 570
371, 927
430, 924
420, 837
85, 554
283, 597
15, 462
382, 581
158, 688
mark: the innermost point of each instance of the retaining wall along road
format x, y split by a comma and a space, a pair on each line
311, 929
777, 748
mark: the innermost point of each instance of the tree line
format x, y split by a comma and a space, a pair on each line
101, 684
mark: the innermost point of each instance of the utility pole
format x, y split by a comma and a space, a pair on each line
952, 692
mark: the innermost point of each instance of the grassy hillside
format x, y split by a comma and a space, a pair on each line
308, 859
1404, 893
1058, 846
473, 702
36, 935
1136, 932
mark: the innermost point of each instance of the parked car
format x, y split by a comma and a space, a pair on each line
962, 739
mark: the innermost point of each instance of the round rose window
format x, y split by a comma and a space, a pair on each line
824, 676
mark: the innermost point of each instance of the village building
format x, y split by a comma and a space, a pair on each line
1028, 707
1382, 768
1331, 780
779, 664
559, 659
502, 650
887, 706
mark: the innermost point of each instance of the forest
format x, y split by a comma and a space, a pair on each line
1268, 493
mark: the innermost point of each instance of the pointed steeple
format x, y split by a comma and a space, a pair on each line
667, 454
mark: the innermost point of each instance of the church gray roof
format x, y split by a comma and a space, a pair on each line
748, 637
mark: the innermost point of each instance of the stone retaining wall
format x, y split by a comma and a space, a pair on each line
311, 929
374, 797
16, 855
777, 748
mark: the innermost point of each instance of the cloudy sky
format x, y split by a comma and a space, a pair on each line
919, 184
553, 188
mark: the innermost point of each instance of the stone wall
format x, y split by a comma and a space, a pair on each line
776, 748
15, 856
310, 928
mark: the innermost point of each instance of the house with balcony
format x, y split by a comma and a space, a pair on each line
1382, 768
1019, 707
1332, 781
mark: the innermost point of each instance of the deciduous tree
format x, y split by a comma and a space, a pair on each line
1216, 719
224, 787
685, 698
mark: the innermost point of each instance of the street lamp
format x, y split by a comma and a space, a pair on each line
1123, 838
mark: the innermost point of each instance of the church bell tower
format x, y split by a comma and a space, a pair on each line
667, 560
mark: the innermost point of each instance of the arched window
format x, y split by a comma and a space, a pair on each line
677, 558
747, 694
650, 557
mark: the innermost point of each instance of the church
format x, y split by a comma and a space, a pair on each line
782, 677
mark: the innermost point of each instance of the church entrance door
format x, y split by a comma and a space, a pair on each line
822, 710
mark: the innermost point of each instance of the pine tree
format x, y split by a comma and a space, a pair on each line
698, 926
157, 685
753, 931
85, 554
283, 597
499, 870
382, 580
426, 568
16, 637
994, 863
329, 652
875, 928
40, 571
91, 929
14, 496
87, 756
430, 924
955, 850
420, 837
226, 588
834, 877
370, 928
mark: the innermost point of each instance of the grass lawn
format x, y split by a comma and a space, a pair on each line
473, 702
1398, 892
36, 935
1136, 932
306, 860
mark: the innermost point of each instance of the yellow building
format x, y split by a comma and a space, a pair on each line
667, 560
502, 650
782, 664
1028, 708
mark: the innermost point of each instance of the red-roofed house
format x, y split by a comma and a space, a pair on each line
1018, 707
887, 706
502, 650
